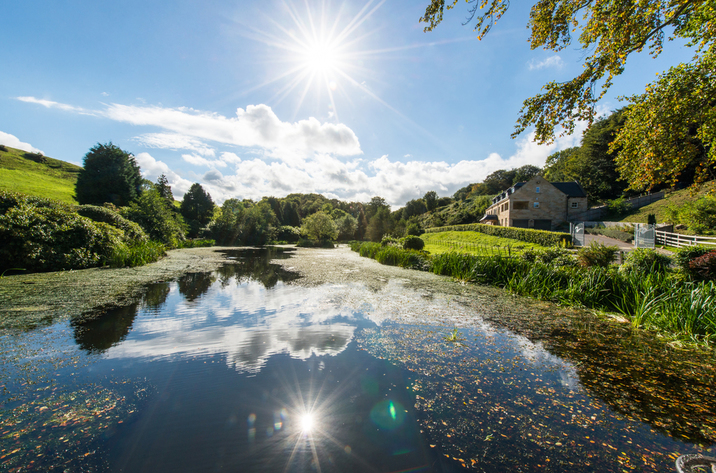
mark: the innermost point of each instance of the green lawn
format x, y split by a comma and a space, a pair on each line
52, 179
474, 243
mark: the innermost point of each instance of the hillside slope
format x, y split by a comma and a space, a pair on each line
37, 175
676, 198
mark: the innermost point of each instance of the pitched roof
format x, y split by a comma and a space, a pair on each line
572, 189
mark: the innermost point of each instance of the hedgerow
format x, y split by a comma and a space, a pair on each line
540, 237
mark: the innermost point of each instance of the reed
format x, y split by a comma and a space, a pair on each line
136, 254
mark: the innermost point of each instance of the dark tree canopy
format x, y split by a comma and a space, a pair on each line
197, 208
431, 200
109, 174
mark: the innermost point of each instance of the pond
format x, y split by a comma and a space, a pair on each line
247, 369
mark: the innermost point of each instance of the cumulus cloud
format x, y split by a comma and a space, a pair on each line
255, 126
552, 61
199, 161
14, 142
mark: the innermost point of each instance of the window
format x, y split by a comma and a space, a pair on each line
537, 190
520, 206
536, 205
575, 205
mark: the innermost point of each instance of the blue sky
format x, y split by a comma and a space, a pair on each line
347, 99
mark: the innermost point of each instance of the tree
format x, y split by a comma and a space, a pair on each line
165, 190
431, 200
197, 208
414, 207
319, 226
669, 134
109, 174
380, 224
562, 165
151, 212
610, 30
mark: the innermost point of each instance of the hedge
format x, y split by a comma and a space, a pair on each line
540, 237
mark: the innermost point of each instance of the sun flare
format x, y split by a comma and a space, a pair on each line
307, 423
321, 57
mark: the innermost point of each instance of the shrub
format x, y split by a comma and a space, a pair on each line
645, 260
597, 254
651, 219
3, 148
136, 254
547, 255
618, 206
413, 229
540, 237
36, 157
413, 243
685, 255
390, 241
159, 221
288, 233
51, 239
305, 243
704, 266
132, 231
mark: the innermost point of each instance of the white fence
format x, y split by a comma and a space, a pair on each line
677, 240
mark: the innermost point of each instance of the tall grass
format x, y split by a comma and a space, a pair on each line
652, 300
196, 243
136, 254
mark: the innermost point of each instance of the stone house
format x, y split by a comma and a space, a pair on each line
537, 204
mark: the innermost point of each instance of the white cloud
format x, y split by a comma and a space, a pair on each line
174, 141
14, 142
199, 161
61, 106
552, 61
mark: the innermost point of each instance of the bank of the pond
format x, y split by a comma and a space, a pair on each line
652, 299
28, 300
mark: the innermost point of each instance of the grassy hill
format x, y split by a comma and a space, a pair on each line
676, 198
37, 175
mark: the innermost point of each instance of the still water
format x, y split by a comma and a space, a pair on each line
242, 370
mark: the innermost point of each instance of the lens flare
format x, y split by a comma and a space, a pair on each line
307, 423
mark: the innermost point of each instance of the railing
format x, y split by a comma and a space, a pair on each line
678, 240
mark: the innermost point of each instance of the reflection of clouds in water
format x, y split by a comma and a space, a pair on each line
245, 321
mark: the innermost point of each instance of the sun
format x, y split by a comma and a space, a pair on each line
321, 57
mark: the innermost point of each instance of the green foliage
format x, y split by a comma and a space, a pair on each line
645, 261
136, 254
555, 256
158, 220
539, 237
40, 235
393, 256
651, 219
597, 254
319, 226
346, 225
431, 200
197, 208
305, 243
288, 233
197, 243
413, 243
380, 224
618, 207
109, 175
699, 215
670, 129
132, 231
3, 148
413, 229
